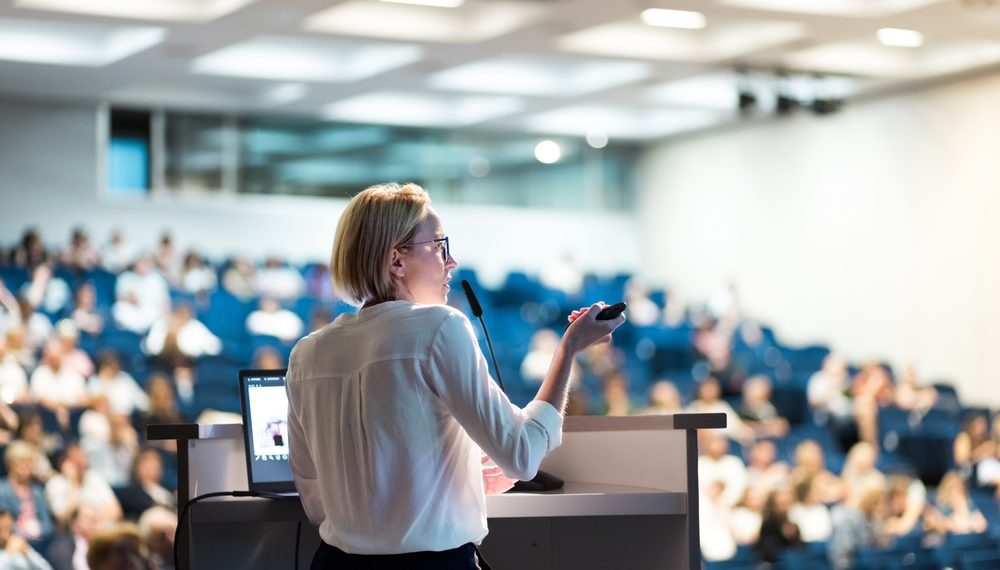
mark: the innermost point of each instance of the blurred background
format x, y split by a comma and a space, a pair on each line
797, 199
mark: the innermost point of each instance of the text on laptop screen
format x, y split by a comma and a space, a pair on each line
267, 413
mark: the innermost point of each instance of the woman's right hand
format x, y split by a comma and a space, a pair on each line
585, 330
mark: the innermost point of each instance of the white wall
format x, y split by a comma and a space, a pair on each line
875, 230
48, 178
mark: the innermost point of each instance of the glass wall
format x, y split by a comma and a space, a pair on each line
262, 155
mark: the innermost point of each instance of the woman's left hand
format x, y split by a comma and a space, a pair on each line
494, 481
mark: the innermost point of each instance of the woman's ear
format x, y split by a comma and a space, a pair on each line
396, 264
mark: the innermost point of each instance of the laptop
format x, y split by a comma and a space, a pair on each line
265, 432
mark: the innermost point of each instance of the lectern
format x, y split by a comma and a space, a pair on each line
630, 501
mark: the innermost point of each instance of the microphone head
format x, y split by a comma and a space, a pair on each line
477, 309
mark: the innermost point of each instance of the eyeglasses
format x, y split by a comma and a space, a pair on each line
445, 250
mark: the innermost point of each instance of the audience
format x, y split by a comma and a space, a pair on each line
15, 552
760, 504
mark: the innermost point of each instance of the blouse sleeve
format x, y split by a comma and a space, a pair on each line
516, 439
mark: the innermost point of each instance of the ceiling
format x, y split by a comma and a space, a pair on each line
567, 67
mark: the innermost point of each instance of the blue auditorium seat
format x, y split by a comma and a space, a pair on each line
226, 315
104, 285
13, 277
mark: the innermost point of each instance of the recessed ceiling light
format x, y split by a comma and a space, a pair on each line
433, 3
898, 37
73, 43
548, 152
421, 109
597, 138
540, 76
663, 18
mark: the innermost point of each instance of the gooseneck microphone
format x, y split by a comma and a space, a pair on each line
543, 481
477, 311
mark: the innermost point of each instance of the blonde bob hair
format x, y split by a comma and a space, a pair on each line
376, 221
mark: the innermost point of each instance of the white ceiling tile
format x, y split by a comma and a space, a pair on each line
542, 76
628, 38
872, 59
472, 22
165, 10
421, 109
73, 43
623, 122
850, 8
305, 59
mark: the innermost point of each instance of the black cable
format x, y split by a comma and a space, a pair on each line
273, 496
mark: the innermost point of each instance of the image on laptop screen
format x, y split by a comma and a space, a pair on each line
265, 428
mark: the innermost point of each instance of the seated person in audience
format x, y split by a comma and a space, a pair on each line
541, 348
270, 319
709, 400
77, 485
280, 281
180, 338
116, 255
828, 392
860, 472
267, 358
988, 472
31, 432
716, 465
15, 552
197, 276
810, 514
109, 441
748, 516
22, 497
664, 398
74, 357
642, 311
57, 387
906, 500
564, 275
167, 260
10, 312
157, 526
117, 547
68, 549
35, 330
146, 489
954, 512
763, 469
856, 525
119, 387
162, 407
617, 402
714, 522
240, 278
30, 251
80, 254
13, 378
86, 316
143, 297
973, 444
18, 347
777, 531
810, 464
758, 412
871, 388
46, 292
910, 395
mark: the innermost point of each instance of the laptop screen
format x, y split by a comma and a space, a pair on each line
265, 430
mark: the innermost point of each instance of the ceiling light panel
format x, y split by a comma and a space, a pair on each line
870, 58
305, 59
631, 38
718, 91
900, 38
472, 22
425, 110
540, 76
847, 8
621, 122
165, 10
73, 43
664, 18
